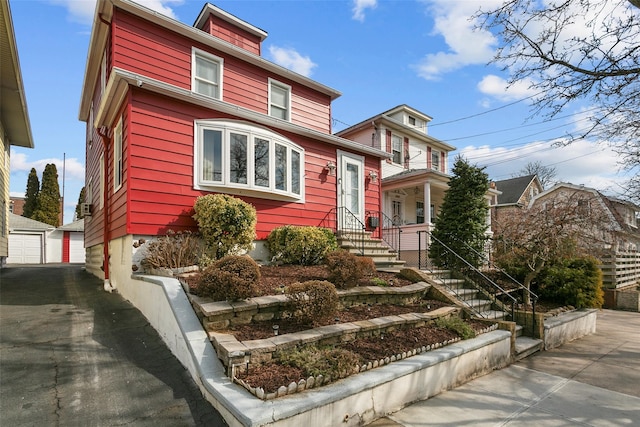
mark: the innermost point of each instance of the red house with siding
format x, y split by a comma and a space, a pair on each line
174, 112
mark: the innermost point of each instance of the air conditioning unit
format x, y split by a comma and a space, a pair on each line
85, 208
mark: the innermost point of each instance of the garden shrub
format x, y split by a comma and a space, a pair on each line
327, 361
231, 278
576, 282
227, 224
301, 245
457, 325
313, 300
346, 269
174, 250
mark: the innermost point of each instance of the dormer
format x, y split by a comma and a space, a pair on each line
410, 117
229, 28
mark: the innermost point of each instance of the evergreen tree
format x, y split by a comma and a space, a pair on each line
462, 221
31, 195
48, 210
81, 200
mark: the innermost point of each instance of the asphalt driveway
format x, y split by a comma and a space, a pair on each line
72, 354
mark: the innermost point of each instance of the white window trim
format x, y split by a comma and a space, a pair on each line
195, 52
118, 163
248, 189
287, 88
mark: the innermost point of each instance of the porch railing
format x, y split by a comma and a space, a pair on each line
390, 231
347, 226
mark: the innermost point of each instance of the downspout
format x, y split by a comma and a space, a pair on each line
105, 233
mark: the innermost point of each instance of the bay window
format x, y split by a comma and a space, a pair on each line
241, 158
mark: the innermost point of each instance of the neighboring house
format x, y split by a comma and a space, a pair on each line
415, 177
515, 193
15, 128
175, 112
29, 241
616, 240
16, 205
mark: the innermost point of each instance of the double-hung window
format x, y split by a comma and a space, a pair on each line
435, 160
206, 74
279, 100
117, 156
240, 158
396, 148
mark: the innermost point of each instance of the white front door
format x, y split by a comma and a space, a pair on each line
351, 190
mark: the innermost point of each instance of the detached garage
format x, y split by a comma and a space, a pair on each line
27, 240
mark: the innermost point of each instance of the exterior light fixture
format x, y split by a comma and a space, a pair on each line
330, 168
373, 176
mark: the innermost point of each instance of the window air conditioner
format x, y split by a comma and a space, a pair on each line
85, 208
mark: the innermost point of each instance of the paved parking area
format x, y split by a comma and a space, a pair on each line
72, 354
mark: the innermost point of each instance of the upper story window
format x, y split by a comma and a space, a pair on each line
206, 74
412, 121
117, 156
234, 155
435, 160
279, 100
396, 149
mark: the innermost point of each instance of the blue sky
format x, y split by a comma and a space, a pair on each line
379, 54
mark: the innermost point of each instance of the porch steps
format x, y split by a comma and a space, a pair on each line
383, 256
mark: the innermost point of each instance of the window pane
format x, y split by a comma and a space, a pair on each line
435, 160
397, 149
281, 167
238, 158
278, 96
279, 113
295, 172
353, 188
207, 89
212, 155
261, 156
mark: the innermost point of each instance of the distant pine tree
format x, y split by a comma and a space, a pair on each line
463, 217
48, 210
31, 195
81, 200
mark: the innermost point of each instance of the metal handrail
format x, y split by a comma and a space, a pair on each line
493, 291
390, 232
346, 224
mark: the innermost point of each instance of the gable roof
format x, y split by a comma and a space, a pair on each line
99, 35
73, 226
512, 189
21, 223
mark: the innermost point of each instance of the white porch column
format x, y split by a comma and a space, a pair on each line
427, 204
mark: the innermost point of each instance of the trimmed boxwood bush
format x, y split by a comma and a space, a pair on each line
231, 278
300, 245
227, 224
346, 269
314, 300
576, 282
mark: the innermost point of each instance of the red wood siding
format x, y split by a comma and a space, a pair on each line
160, 172
234, 35
145, 48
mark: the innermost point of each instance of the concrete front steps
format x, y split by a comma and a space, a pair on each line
472, 298
383, 256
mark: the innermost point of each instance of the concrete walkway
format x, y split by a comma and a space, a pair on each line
592, 381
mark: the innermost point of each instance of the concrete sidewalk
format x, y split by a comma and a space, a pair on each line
592, 381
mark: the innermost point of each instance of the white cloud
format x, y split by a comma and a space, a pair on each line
467, 46
359, 7
497, 87
73, 169
291, 59
582, 162
82, 11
